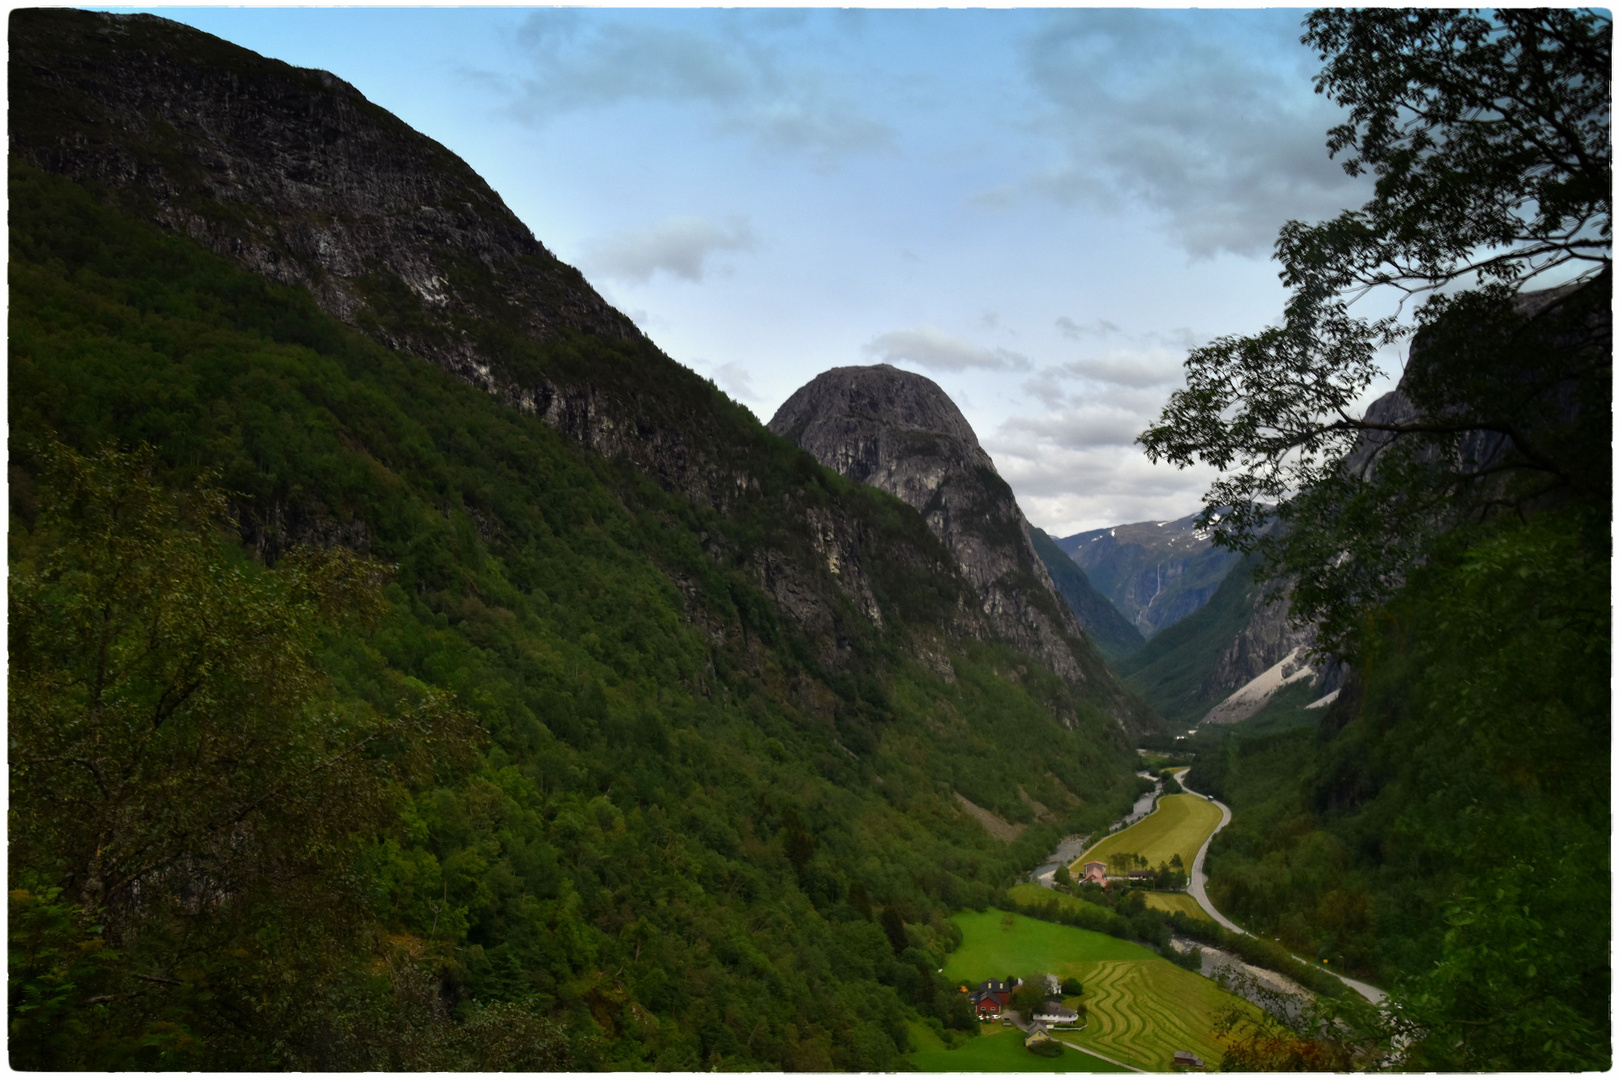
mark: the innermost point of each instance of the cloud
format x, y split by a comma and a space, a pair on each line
592, 60
1071, 329
1212, 125
1067, 483
936, 350
1077, 429
735, 380
679, 246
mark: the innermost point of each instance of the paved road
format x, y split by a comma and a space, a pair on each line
1197, 879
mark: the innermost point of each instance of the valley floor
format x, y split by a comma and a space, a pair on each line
1141, 1008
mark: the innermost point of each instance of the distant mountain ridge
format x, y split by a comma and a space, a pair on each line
1112, 633
1155, 572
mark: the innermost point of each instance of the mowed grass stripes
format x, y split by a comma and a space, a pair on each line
1141, 1013
1142, 1008
1175, 901
1179, 826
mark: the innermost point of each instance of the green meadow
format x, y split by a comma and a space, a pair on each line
1179, 826
1141, 1007
1175, 901
998, 1049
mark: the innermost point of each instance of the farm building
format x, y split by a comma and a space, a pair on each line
1037, 1034
1185, 1059
991, 997
1055, 1012
1096, 872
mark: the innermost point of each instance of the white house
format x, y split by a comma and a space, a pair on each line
1055, 1012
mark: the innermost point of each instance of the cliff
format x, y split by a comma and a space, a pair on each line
293, 175
1155, 572
900, 433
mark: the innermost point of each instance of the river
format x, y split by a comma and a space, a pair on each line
1071, 848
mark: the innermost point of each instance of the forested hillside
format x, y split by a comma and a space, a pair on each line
361, 718
1445, 828
1114, 636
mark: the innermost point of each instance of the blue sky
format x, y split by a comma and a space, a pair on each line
1040, 210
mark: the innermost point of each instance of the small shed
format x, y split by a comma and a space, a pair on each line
1096, 872
1185, 1059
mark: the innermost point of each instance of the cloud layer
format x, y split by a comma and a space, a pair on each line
679, 246
1211, 124
727, 64
934, 349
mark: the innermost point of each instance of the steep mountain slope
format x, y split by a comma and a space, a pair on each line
1190, 668
1104, 625
1155, 572
723, 704
900, 433
1444, 825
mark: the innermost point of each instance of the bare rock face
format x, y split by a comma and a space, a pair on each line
292, 173
1266, 640
902, 434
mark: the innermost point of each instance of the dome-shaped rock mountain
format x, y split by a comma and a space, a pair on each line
900, 433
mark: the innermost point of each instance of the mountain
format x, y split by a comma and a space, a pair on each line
411, 667
1447, 800
1113, 635
900, 433
1189, 670
1155, 572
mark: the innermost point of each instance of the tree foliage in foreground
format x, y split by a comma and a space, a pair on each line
1444, 829
1488, 136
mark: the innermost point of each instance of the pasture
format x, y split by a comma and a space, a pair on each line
1175, 901
1142, 1008
1027, 892
998, 1049
1179, 826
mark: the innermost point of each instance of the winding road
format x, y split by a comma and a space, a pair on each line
1197, 879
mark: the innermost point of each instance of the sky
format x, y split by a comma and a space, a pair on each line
1040, 210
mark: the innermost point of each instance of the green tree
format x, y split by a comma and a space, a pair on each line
1030, 996
1488, 136
175, 763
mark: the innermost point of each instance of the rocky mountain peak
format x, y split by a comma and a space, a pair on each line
899, 432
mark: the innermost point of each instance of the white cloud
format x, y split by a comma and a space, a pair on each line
1071, 329
1213, 125
936, 350
727, 66
736, 380
679, 246
1066, 490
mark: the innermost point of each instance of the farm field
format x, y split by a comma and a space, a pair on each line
999, 1049
1179, 826
1027, 892
1175, 901
1142, 1008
